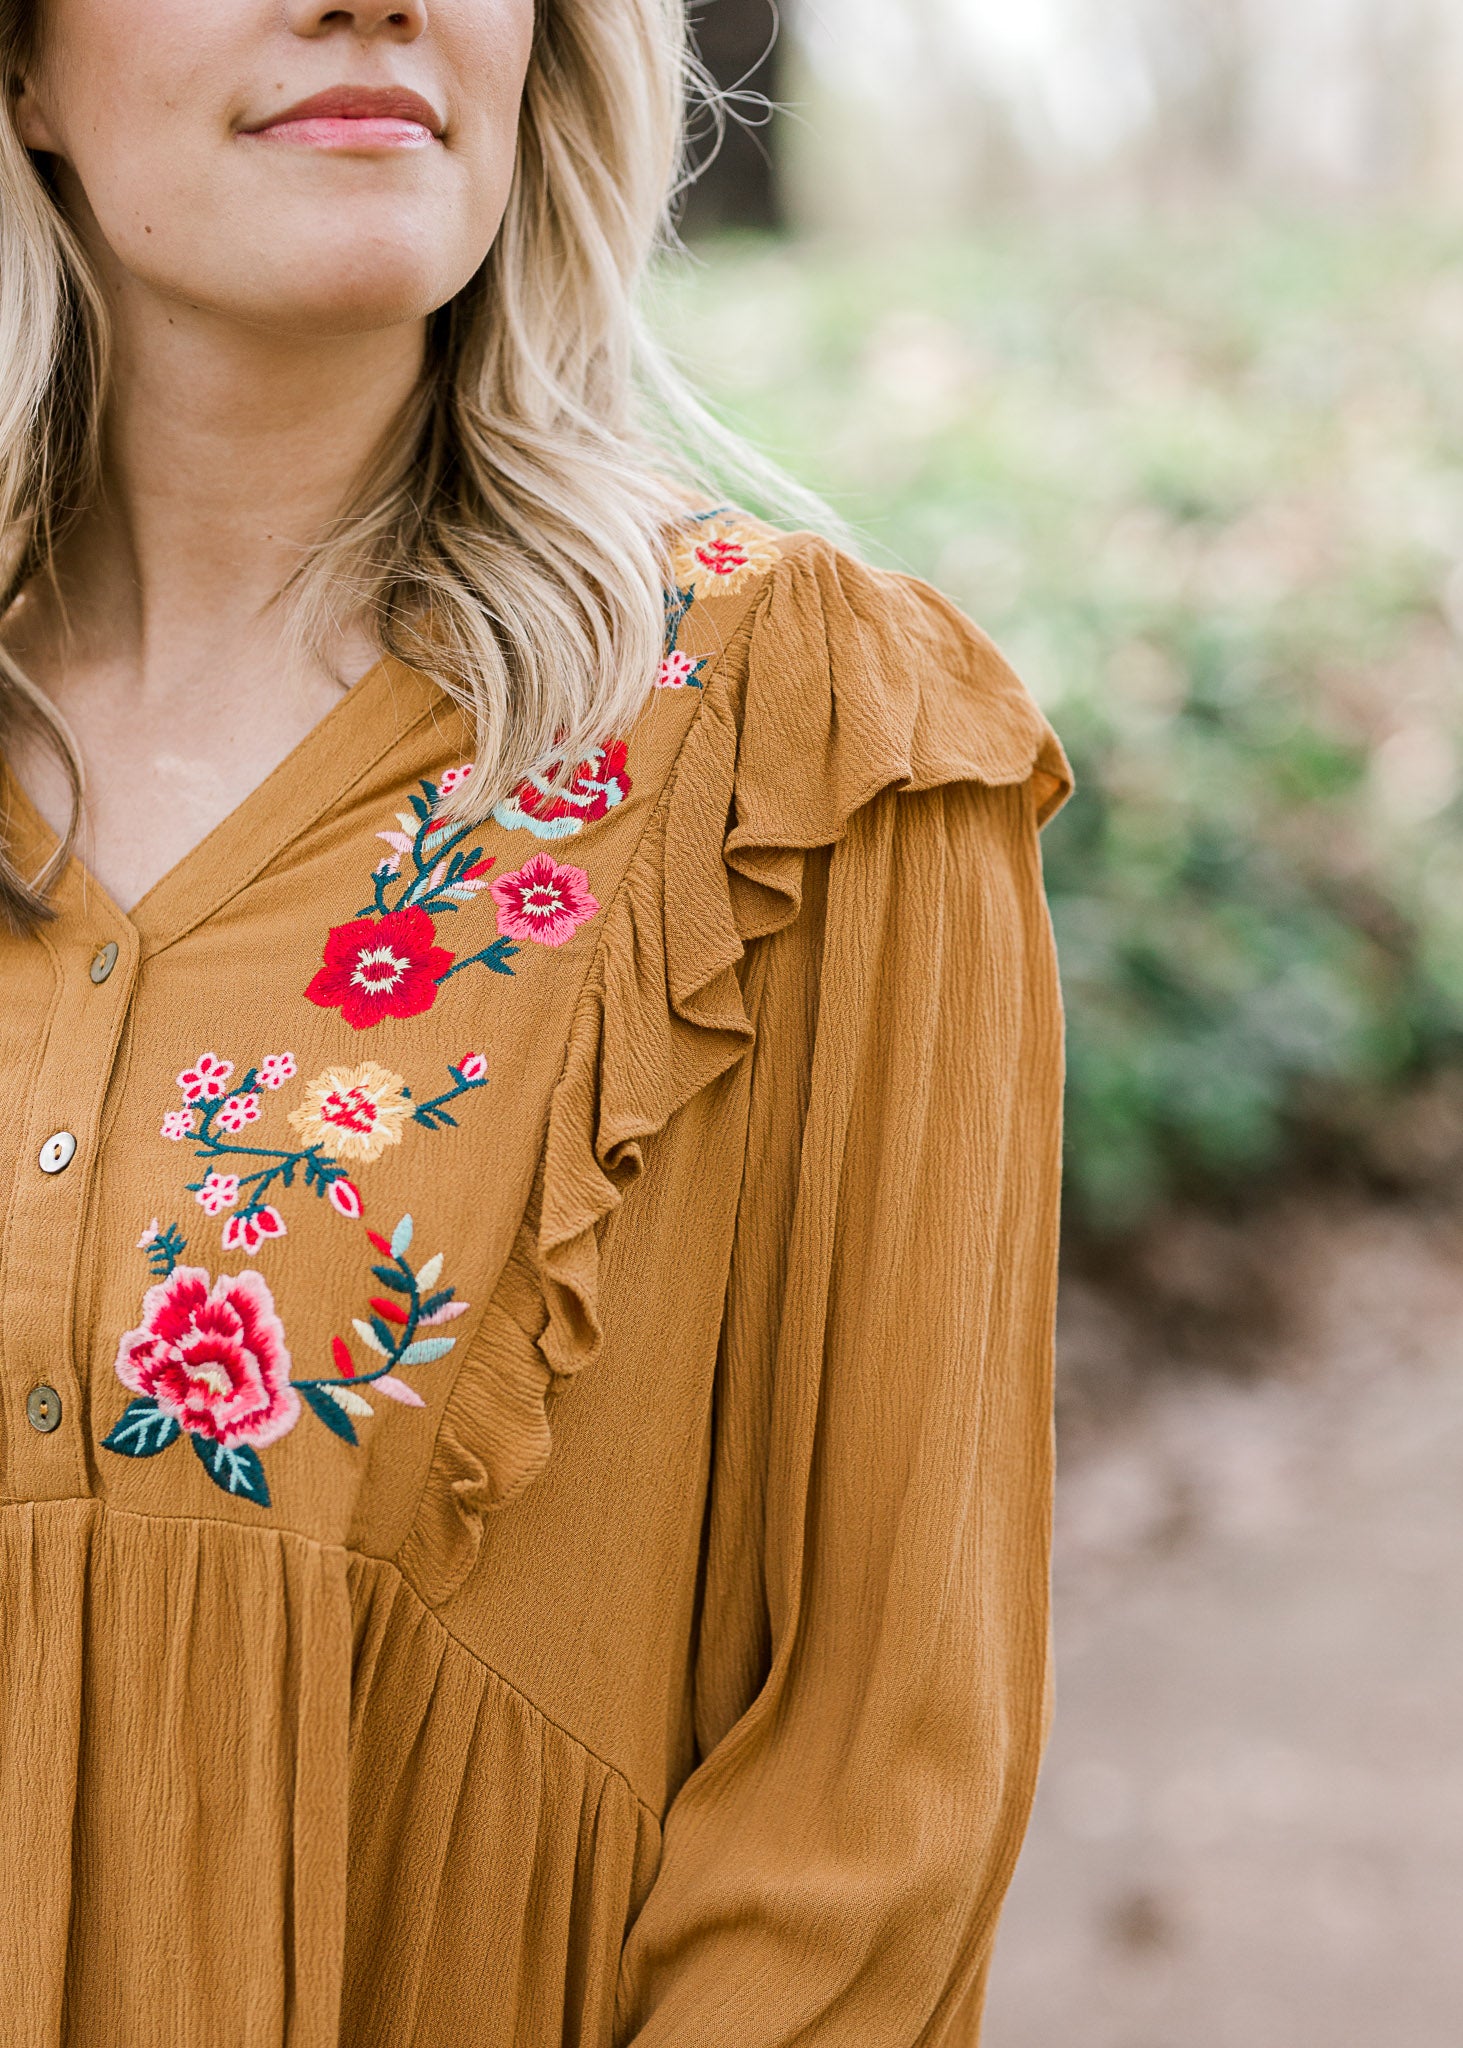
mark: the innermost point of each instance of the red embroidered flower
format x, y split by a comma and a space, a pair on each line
276, 1068
598, 784
344, 1195
214, 1359
451, 777
379, 967
543, 901
472, 1066
247, 1233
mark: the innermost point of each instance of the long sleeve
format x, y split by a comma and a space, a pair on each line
872, 1679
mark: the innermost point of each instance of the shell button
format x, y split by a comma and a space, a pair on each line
58, 1151
105, 961
43, 1409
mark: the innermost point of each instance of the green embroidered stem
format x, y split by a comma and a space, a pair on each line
495, 956
165, 1250
432, 1114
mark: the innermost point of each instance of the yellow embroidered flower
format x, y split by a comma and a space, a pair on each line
721, 555
353, 1112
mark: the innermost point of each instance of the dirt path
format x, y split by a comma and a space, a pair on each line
1249, 1832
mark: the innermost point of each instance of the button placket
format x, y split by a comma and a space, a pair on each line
46, 1456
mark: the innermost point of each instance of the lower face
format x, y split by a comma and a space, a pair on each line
184, 178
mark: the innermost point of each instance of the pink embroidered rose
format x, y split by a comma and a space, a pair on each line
213, 1358
543, 901
276, 1068
598, 784
676, 671
453, 778
206, 1079
472, 1066
345, 1196
178, 1123
237, 1111
247, 1233
219, 1191
379, 967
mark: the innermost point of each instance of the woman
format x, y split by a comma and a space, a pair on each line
531, 1168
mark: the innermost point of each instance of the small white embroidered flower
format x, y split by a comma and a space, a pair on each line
276, 1068
453, 777
472, 1066
206, 1079
676, 671
219, 1191
147, 1236
237, 1111
178, 1123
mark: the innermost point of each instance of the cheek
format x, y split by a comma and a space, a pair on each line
136, 97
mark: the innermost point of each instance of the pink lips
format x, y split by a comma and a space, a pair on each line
354, 117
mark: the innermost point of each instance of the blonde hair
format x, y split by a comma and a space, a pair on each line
512, 536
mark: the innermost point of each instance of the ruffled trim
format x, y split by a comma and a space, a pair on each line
840, 681
852, 681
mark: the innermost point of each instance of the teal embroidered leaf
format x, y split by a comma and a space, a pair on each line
330, 1412
235, 1468
435, 1301
425, 1349
392, 1276
385, 1336
142, 1430
401, 1238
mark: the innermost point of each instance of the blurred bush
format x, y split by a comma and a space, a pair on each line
1204, 484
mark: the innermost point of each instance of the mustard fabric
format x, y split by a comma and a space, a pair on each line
665, 1663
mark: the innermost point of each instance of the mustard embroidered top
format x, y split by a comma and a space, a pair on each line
525, 1431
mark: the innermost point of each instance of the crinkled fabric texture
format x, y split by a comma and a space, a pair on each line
658, 1657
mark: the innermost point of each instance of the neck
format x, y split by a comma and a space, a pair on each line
226, 452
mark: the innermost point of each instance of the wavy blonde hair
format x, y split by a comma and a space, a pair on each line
511, 535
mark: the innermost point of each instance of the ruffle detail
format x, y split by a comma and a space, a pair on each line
845, 681
838, 681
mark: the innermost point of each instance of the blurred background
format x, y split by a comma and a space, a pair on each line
1137, 325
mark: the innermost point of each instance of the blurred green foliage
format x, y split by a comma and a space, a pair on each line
1204, 484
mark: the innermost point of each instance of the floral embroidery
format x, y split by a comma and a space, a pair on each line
353, 1112
218, 1191
598, 784
276, 1068
381, 967
386, 961
206, 1081
348, 1117
209, 1360
677, 670
237, 1110
543, 901
247, 1233
718, 555
721, 554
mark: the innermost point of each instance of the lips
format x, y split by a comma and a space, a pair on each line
354, 116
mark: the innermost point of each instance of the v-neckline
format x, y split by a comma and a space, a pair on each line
366, 722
